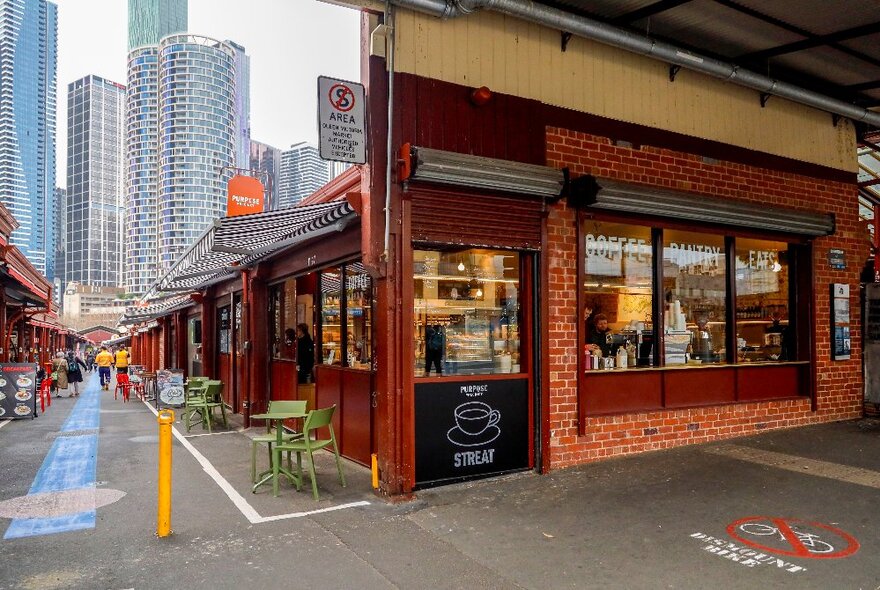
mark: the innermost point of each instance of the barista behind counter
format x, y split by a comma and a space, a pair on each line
599, 339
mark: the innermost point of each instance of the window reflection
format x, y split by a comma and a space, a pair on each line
331, 317
694, 286
359, 316
762, 295
466, 312
618, 299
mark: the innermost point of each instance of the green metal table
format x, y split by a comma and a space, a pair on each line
277, 470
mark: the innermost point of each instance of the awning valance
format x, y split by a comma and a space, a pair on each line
238, 242
615, 196
156, 309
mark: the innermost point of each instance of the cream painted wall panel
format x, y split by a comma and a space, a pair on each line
514, 57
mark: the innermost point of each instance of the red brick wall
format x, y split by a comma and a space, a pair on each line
839, 383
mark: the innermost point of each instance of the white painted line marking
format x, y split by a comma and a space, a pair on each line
246, 509
310, 512
4, 423
213, 433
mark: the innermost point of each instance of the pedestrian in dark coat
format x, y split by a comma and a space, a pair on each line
74, 373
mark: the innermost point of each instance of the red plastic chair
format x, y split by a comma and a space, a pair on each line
122, 385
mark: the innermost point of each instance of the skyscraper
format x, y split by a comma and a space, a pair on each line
302, 173
60, 230
242, 105
28, 55
95, 182
267, 159
150, 20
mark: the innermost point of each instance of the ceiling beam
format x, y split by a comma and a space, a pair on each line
646, 11
864, 86
813, 41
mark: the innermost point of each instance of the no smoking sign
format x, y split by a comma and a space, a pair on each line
341, 121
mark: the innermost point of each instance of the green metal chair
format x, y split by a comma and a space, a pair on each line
281, 406
197, 382
194, 403
315, 420
214, 399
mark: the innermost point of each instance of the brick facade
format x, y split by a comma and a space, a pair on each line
838, 383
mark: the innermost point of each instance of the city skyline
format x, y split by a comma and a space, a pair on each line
283, 92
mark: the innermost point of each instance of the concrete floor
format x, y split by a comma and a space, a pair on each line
670, 519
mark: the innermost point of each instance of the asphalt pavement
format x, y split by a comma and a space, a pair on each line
795, 508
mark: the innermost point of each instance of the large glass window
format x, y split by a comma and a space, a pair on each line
695, 291
466, 312
331, 317
359, 316
618, 296
626, 294
763, 332
282, 310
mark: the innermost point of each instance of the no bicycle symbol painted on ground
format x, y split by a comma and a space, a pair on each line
341, 97
793, 537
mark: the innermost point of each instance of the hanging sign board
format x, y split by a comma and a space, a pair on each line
471, 428
342, 125
840, 336
18, 390
244, 196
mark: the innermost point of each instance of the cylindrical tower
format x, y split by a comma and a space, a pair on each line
196, 138
142, 168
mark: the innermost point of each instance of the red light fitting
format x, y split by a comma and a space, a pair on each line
481, 96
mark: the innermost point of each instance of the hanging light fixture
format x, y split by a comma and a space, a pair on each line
461, 267
479, 292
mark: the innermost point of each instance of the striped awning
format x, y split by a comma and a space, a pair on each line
159, 308
233, 243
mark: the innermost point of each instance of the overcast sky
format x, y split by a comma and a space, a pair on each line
291, 43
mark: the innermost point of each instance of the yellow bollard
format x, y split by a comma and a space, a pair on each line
374, 467
163, 518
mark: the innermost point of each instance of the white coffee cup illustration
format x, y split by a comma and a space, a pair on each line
474, 418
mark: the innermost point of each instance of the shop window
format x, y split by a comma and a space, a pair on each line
359, 316
331, 317
618, 295
224, 330
466, 312
763, 333
283, 311
695, 291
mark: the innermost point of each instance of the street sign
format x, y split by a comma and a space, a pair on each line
342, 125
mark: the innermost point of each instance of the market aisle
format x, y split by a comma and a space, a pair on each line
62, 497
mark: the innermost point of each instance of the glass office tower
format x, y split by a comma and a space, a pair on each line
28, 56
150, 20
196, 139
302, 173
95, 181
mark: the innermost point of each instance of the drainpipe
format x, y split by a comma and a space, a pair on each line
587, 28
389, 153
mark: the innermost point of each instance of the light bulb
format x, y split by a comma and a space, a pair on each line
461, 266
776, 267
479, 292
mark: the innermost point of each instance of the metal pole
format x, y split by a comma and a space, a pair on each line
876, 244
163, 517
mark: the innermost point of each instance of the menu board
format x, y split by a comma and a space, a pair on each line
18, 390
170, 385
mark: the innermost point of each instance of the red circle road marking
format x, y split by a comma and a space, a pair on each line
341, 97
798, 547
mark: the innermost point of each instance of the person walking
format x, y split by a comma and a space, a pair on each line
305, 354
74, 373
59, 369
121, 359
104, 360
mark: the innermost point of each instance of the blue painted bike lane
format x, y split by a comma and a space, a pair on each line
71, 464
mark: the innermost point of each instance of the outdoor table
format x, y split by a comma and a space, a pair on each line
272, 474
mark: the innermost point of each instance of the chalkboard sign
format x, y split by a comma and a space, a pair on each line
18, 390
470, 428
170, 385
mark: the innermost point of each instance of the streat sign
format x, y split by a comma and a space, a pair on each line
244, 196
